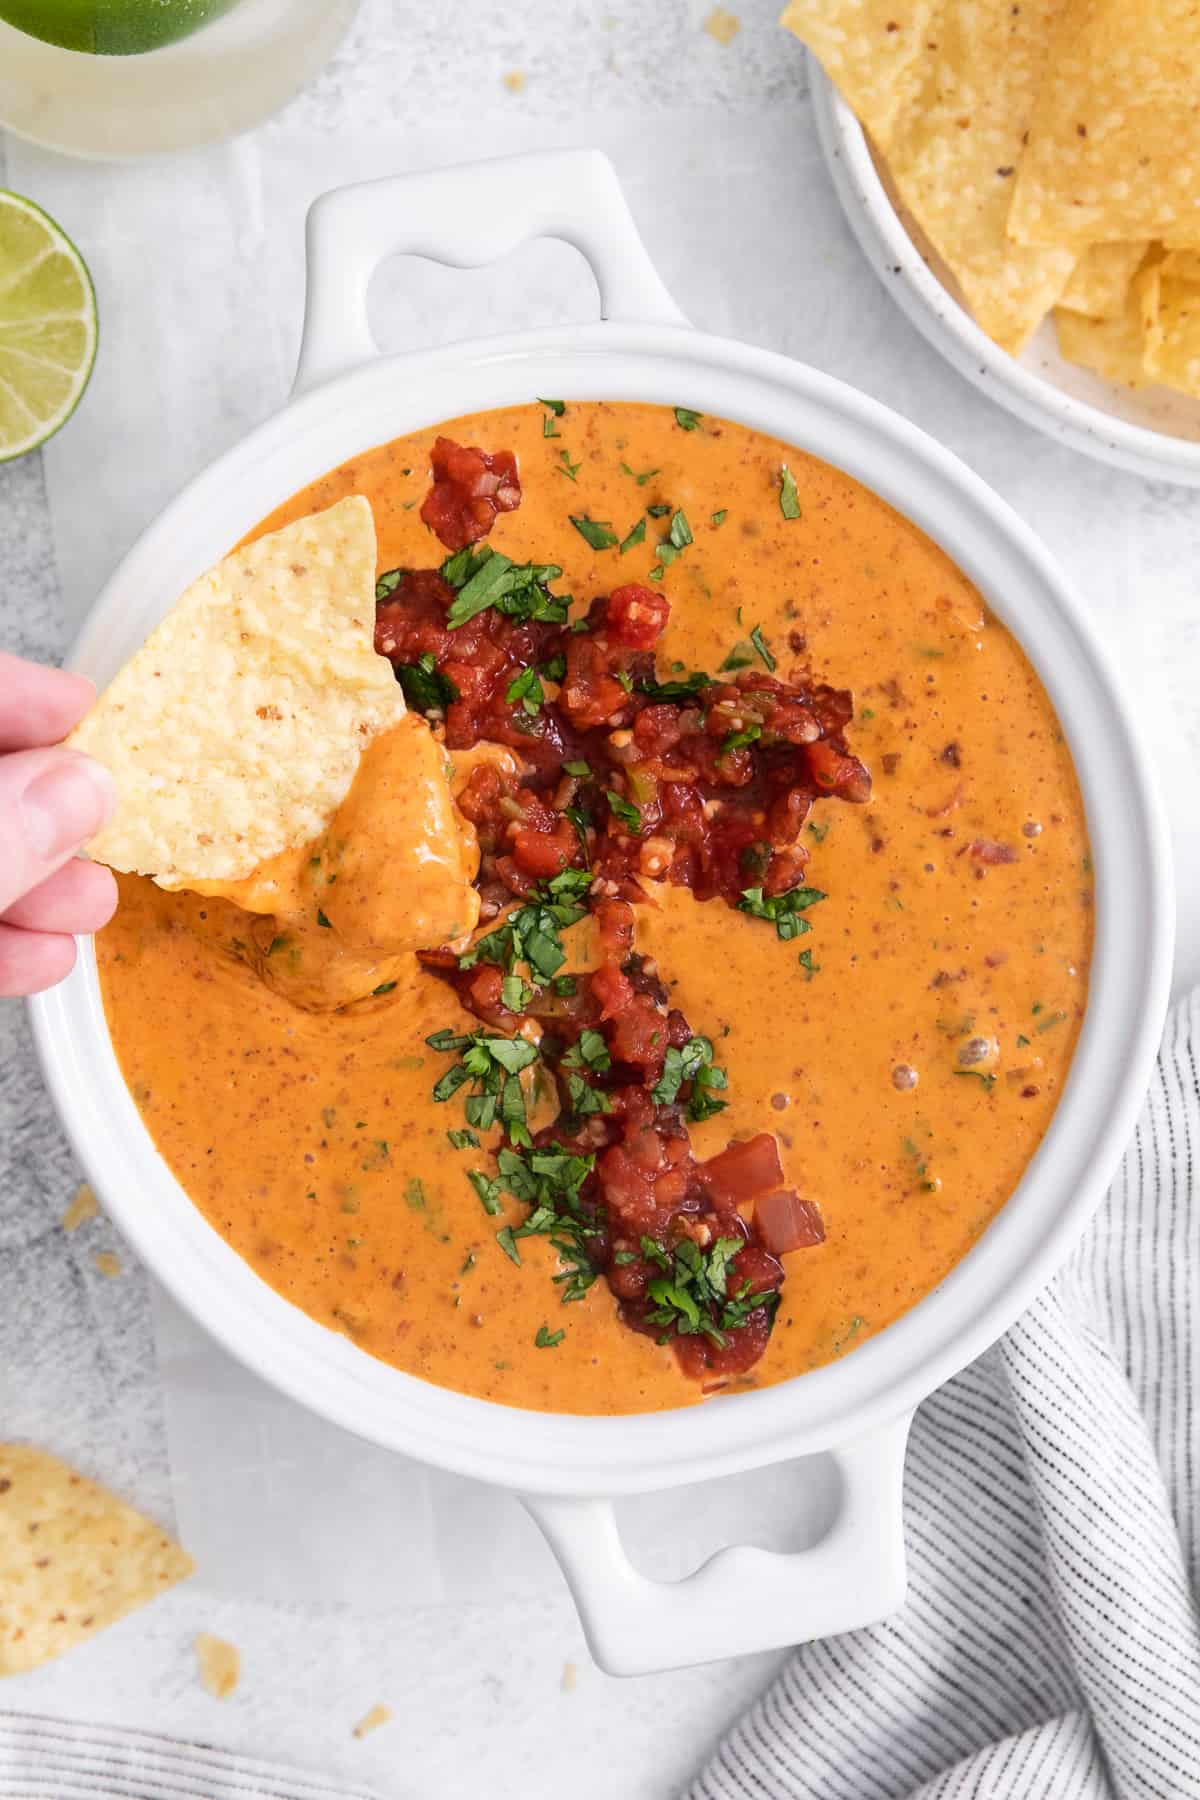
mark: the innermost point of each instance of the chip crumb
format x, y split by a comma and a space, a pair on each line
220, 1665
378, 1715
722, 25
83, 1207
107, 1263
515, 81
570, 1676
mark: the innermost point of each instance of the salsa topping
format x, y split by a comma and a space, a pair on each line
706, 781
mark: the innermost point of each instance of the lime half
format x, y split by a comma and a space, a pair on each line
47, 326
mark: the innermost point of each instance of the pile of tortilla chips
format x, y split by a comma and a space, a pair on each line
1050, 155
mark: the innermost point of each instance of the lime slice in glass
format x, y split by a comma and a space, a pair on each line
111, 27
47, 326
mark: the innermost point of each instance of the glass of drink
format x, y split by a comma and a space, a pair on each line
126, 78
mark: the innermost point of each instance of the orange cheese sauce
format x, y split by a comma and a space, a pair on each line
310, 1141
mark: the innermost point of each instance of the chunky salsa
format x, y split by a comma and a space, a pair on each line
784, 919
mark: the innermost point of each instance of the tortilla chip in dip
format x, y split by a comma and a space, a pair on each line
235, 731
73, 1558
1114, 140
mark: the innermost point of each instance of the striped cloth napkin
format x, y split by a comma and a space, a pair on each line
47, 1759
1050, 1645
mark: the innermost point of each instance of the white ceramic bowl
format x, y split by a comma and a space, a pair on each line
1152, 431
858, 1409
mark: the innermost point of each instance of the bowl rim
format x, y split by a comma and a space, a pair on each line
946, 324
889, 1374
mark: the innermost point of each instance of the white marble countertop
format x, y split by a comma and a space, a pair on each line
198, 263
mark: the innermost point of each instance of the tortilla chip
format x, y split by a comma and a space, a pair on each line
1113, 348
378, 1715
954, 150
1099, 286
235, 731
82, 1208
1183, 263
73, 1558
220, 1664
1172, 342
1114, 142
869, 50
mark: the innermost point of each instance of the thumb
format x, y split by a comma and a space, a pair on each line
51, 803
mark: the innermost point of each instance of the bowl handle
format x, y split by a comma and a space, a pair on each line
467, 216
742, 1599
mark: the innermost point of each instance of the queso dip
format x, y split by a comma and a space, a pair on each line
785, 922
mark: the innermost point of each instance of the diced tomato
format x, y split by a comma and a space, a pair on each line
985, 851
636, 616
470, 487
785, 1222
836, 772
744, 1171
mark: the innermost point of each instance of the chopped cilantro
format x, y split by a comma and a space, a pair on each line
579, 768
492, 1065
989, 1081
485, 578
692, 1296
547, 1339
718, 518
738, 740
658, 512
507, 1243
675, 690
388, 582
645, 476
557, 407
565, 986
526, 691
463, 1140
740, 657
783, 910
763, 648
789, 499
589, 1051
385, 987
625, 679
680, 535
548, 1181
810, 967
624, 810
515, 994
530, 935
425, 687
567, 467
686, 419
693, 1062
636, 536
596, 532
487, 1187
1022, 1041
323, 921
1050, 1021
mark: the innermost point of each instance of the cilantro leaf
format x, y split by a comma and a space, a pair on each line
636, 536
596, 532
527, 691
547, 1339
388, 582
686, 419
789, 498
783, 910
763, 648
425, 688
624, 810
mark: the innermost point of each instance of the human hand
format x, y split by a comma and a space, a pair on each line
52, 801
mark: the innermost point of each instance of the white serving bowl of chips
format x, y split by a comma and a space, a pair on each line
569, 1468
1151, 431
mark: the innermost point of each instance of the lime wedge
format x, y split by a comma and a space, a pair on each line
111, 27
47, 326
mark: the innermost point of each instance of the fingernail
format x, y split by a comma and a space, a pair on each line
66, 805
